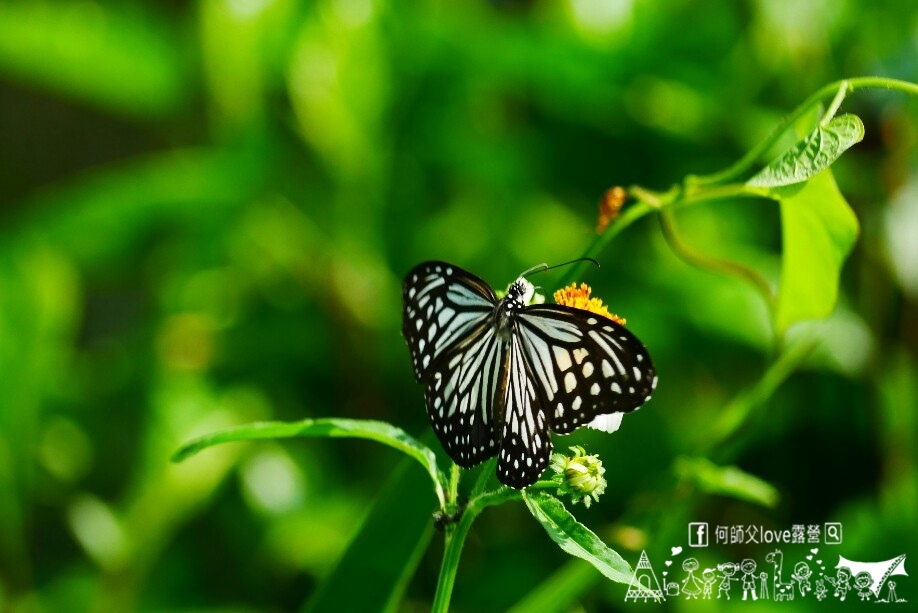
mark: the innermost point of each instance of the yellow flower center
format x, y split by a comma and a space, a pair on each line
579, 298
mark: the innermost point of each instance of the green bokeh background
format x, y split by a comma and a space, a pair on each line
207, 209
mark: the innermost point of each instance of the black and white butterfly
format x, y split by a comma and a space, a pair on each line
499, 374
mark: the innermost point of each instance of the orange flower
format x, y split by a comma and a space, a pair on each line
579, 298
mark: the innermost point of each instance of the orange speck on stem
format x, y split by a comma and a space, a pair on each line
579, 298
609, 207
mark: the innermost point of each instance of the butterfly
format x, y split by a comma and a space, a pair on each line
501, 373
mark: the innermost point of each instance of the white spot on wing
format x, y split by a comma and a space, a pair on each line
607, 369
570, 382
562, 358
607, 423
445, 315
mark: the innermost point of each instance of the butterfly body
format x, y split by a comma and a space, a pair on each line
501, 373
518, 295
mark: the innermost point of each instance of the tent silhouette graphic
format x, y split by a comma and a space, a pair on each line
644, 582
878, 571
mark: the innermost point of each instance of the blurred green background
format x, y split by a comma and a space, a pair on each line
207, 211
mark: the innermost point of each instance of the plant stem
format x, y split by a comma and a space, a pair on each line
836, 102
453, 500
691, 255
741, 407
455, 539
631, 214
732, 172
703, 188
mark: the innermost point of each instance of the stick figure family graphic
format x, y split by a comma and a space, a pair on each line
745, 580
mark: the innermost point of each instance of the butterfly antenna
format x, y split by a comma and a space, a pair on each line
544, 267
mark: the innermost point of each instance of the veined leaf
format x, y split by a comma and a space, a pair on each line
812, 154
575, 538
331, 427
819, 230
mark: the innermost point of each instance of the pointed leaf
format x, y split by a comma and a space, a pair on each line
575, 538
812, 154
345, 428
819, 230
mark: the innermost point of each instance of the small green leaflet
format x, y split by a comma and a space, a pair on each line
812, 154
575, 538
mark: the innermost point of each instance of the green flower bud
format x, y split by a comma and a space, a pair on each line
580, 476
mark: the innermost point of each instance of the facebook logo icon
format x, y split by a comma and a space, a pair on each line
698, 534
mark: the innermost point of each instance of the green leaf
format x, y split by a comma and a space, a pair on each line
575, 538
118, 58
384, 553
819, 230
812, 154
559, 592
124, 200
726, 480
333, 428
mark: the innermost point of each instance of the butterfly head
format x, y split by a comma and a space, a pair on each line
520, 292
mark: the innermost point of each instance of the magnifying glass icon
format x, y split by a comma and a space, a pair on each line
833, 533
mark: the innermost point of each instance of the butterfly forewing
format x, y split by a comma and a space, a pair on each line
585, 365
447, 323
444, 306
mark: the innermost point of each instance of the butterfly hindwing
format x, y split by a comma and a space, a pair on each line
462, 393
525, 445
585, 364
